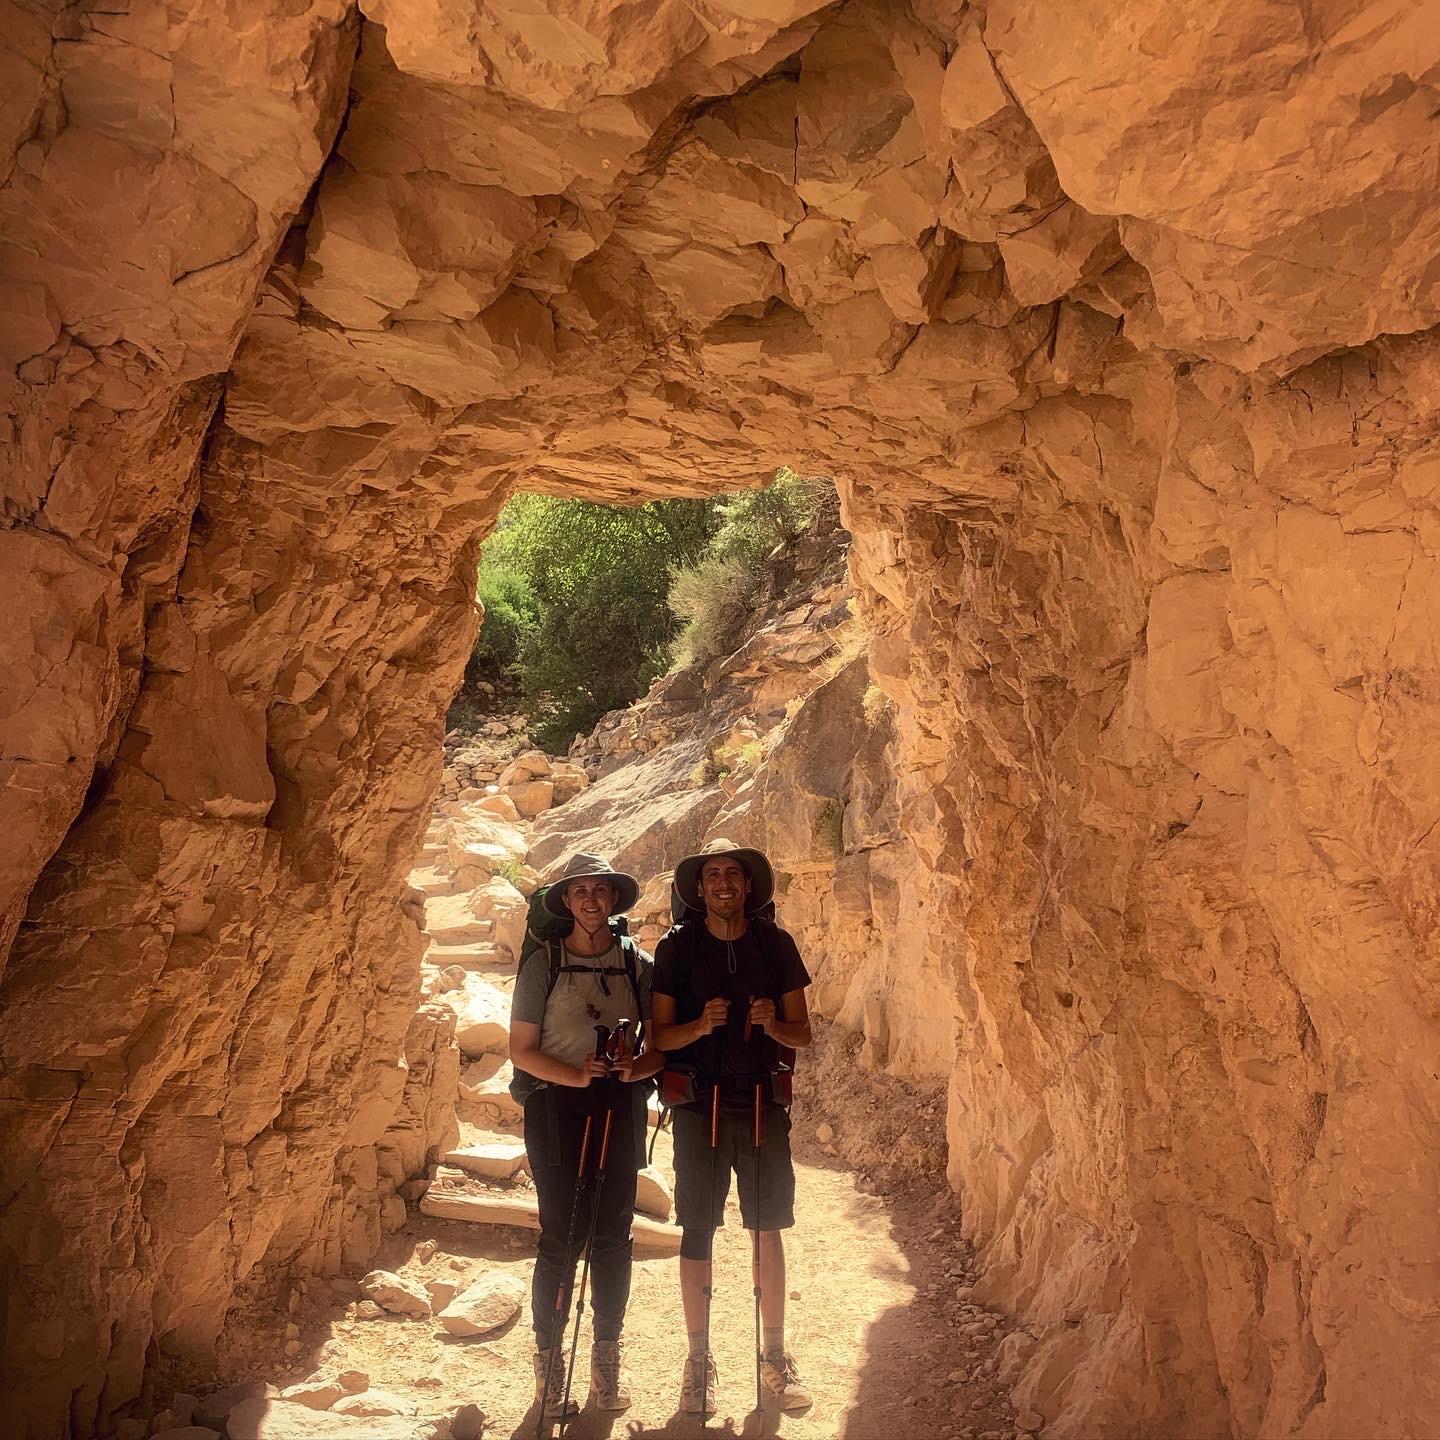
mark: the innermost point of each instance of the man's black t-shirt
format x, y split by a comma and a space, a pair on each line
693, 966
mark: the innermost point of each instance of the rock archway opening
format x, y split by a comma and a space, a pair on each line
1133, 435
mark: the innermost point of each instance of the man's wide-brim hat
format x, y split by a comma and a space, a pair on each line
757, 867
585, 866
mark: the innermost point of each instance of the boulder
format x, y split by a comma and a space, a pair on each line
482, 1017
212, 1409
569, 780
492, 1301
396, 1293
486, 1085
652, 1193
320, 1392
501, 805
442, 1292
498, 1158
264, 1419
528, 765
468, 1423
188, 1432
532, 797
375, 1402
505, 907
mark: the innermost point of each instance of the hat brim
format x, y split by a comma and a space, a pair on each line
627, 889
762, 877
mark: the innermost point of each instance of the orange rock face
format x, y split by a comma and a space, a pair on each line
1113, 325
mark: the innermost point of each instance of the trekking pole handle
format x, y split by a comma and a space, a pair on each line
619, 1040
748, 1004
602, 1041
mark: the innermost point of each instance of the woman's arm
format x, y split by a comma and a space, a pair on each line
526, 1055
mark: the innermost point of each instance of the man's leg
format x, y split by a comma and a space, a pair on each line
775, 1185
702, 1181
772, 1286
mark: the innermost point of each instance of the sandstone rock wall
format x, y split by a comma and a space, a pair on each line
1114, 326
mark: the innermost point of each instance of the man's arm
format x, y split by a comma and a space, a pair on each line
526, 1055
669, 1035
791, 1026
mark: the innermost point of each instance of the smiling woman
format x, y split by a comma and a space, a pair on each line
577, 1041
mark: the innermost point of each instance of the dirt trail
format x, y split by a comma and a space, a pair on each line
876, 1321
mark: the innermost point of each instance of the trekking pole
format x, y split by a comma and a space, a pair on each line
562, 1290
710, 1270
603, 1040
759, 1137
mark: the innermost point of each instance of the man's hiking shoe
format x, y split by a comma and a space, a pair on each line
782, 1380
697, 1397
607, 1379
555, 1399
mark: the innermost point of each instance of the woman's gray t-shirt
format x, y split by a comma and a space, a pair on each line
579, 1002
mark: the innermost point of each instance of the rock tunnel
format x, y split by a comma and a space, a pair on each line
1115, 326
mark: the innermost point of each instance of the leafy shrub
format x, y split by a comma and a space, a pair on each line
829, 829
723, 588
511, 613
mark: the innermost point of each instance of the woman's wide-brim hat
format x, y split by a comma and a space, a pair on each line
585, 866
757, 867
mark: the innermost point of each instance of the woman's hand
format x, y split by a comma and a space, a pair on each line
590, 1069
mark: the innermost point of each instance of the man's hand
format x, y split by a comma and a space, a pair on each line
714, 1015
762, 1013
590, 1069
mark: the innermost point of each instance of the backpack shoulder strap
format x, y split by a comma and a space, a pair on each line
555, 958
630, 953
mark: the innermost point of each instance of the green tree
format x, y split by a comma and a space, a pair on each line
596, 581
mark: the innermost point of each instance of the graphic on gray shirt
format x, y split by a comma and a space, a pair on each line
579, 1001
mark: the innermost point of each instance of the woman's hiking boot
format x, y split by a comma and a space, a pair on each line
697, 1386
781, 1378
554, 1398
607, 1377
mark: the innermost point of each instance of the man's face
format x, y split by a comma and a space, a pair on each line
590, 900
724, 887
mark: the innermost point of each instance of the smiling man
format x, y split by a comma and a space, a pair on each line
729, 992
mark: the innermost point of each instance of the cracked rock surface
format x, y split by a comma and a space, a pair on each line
1115, 327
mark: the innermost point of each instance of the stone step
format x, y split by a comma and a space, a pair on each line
432, 880
501, 1157
477, 956
462, 932
446, 1201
